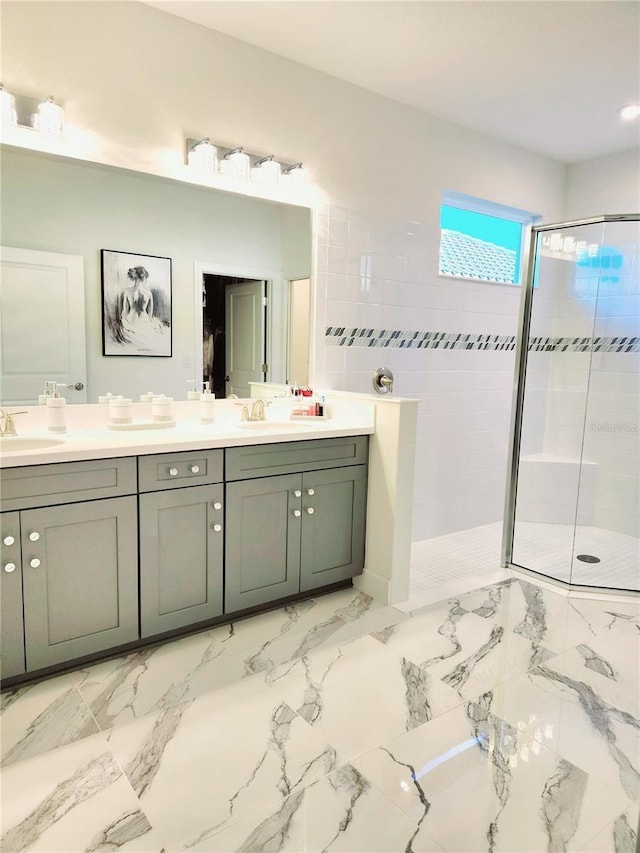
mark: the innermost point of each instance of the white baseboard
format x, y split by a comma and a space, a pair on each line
374, 585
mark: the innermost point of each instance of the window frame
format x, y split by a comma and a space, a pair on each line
472, 204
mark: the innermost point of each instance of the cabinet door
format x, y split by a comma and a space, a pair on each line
333, 525
80, 579
181, 550
262, 557
11, 621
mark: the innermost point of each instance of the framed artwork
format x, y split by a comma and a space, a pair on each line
136, 304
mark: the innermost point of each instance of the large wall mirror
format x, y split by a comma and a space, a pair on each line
238, 267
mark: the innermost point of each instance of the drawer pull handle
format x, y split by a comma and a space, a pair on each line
34, 536
297, 513
9, 567
34, 562
216, 505
310, 510
173, 472
9, 540
217, 527
311, 491
195, 469
297, 493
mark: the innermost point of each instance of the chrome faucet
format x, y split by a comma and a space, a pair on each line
9, 427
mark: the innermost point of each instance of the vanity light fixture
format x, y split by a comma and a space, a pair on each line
208, 158
49, 119
295, 178
629, 112
8, 115
202, 156
267, 171
236, 164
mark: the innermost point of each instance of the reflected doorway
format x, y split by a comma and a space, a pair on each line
234, 333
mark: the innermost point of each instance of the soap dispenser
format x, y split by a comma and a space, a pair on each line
206, 405
56, 415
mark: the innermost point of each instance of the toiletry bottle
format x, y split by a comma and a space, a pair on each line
56, 416
120, 410
205, 414
192, 393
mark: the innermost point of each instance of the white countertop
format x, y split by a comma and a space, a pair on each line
100, 442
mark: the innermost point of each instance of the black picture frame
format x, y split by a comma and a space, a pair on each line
136, 304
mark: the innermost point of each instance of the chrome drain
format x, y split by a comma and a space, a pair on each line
588, 558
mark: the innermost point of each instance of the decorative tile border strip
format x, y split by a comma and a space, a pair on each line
342, 336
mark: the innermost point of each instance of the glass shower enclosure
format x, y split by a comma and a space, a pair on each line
572, 505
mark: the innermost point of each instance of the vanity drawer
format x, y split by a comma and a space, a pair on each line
66, 482
292, 457
175, 470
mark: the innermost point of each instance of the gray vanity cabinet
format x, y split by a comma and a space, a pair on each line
181, 551
181, 539
69, 561
11, 619
293, 532
79, 579
333, 528
262, 560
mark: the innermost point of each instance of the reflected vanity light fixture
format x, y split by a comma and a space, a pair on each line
208, 158
50, 118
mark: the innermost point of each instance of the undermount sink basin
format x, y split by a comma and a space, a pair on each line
15, 443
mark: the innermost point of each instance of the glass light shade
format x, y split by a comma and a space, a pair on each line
203, 157
49, 118
298, 177
240, 165
8, 116
270, 172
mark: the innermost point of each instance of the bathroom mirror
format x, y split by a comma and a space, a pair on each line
66, 207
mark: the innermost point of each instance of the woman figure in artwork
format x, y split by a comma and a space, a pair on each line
138, 322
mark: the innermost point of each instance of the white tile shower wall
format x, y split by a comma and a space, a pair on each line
377, 272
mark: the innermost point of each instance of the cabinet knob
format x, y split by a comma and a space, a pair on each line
34, 536
34, 562
216, 505
217, 527
9, 540
310, 510
297, 493
9, 567
194, 469
297, 513
173, 472
311, 491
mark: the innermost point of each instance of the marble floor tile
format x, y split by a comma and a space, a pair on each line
271, 639
524, 798
74, 798
342, 812
470, 650
413, 768
42, 716
599, 722
620, 836
360, 694
202, 765
128, 687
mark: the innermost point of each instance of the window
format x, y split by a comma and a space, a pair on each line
481, 240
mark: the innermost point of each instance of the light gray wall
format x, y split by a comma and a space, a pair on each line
604, 185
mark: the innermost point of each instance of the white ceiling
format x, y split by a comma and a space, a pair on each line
547, 75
